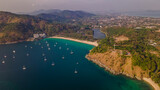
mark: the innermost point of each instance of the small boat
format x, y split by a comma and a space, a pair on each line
24, 68
3, 62
60, 47
14, 57
66, 44
25, 46
43, 54
47, 45
71, 52
67, 48
14, 51
54, 45
75, 71
77, 63
46, 42
5, 56
53, 63
45, 59
27, 54
31, 47
41, 47
39, 43
63, 57
49, 48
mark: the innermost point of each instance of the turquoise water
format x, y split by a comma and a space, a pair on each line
41, 75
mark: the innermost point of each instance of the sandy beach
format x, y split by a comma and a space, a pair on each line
154, 85
76, 40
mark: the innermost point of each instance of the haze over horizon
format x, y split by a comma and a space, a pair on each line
85, 5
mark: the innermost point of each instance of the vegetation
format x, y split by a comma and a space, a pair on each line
139, 45
15, 27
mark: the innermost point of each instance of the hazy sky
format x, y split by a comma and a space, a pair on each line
86, 5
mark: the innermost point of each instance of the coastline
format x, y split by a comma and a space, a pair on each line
147, 80
76, 40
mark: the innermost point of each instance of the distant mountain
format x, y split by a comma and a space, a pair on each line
45, 11
14, 27
65, 15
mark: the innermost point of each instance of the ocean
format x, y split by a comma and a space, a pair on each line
57, 64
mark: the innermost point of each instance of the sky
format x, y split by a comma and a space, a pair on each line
85, 5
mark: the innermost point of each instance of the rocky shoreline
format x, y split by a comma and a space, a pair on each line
146, 79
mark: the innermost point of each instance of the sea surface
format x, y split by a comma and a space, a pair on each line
48, 65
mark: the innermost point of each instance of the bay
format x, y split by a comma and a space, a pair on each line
50, 65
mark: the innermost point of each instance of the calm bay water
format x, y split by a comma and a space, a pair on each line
41, 75
98, 34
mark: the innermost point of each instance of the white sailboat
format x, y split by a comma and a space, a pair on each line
45, 59
63, 57
71, 52
24, 68
3, 62
53, 63
14, 51
27, 54
75, 71
5, 56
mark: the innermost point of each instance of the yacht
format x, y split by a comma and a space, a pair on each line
75, 71
45, 59
27, 54
14, 57
24, 68
5, 56
14, 51
63, 57
53, 63
71, 52
3, 62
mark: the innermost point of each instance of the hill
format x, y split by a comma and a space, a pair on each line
14, 27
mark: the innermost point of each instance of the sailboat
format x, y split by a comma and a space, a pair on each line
24, 68
63, 57
53, 63
45, 59
77, 63
75, 71
3, 62
27, 54
43, 54
14, 57
14, 51
5, 56
71, 52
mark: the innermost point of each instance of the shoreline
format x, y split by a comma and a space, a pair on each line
154, 85
77, 40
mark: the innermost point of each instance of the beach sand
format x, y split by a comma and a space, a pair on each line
76, 40
154, 85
